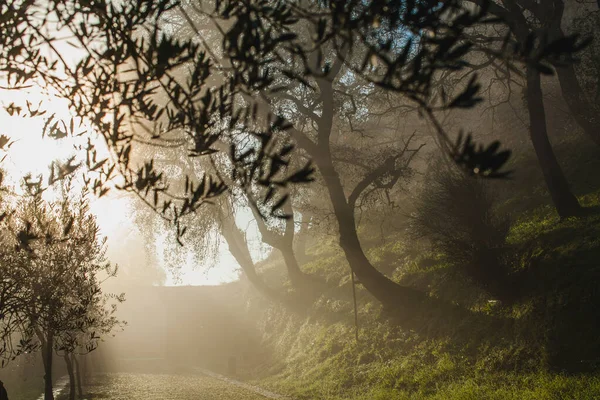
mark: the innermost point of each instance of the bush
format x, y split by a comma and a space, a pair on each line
456, 213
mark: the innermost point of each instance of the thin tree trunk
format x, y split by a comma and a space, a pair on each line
565, 202
85, 368
584, 113
286, 247
48, 353
71, 373
284, 243
242, 256
78, 376
239, 250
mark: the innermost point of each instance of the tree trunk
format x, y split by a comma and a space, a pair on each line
565, 202
71, 373
286, 246
392, 296
389, 293
78, 376
85, 368
584, 113
284, 243
239, 250
47, 355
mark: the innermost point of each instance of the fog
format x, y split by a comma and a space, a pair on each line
299, 199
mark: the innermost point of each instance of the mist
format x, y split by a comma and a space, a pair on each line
299, 199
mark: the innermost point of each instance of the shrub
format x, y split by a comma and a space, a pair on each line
456, 213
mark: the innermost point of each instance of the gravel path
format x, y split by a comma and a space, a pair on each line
59, 387
135, 386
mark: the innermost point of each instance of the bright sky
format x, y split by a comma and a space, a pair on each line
31, 154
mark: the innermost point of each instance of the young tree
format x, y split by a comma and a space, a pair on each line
457, 215
62, 259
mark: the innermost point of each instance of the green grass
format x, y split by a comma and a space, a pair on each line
551, 328
319, 359
502, 387
324, 362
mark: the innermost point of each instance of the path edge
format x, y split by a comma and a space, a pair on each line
256, 389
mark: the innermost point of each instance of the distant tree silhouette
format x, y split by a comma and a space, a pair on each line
540, 40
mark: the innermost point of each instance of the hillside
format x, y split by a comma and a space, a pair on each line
541, 346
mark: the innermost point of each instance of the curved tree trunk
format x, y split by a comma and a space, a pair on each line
284, 243
565, 202
69, 363
392, 295
584, 112
297, 277
286, 247
237, 247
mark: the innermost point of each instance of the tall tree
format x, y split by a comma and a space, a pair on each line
314, 95
541, 52
525, 17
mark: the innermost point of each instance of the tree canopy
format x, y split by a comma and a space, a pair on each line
141, 83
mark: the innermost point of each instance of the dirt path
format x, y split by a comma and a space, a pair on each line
200, 385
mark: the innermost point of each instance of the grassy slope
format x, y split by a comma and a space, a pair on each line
318, 358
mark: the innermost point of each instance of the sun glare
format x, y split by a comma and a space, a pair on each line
225, 270
28, 152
